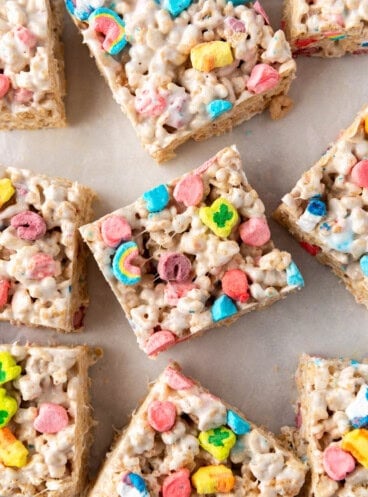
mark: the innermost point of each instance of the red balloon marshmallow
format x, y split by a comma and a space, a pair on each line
177, 484
235, 285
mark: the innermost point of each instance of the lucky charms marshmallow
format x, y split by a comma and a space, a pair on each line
32, 82
183, 441
191, 254
333, 425
42, 259
184, 69
327, 209
326, 28
44, 420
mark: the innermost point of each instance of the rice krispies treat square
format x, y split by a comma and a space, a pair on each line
334, 416
45, 420
183, 69
326, 28
191, 255
327, 210
32, 82
42, 258
183, 441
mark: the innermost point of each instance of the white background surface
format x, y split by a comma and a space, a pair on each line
250, 364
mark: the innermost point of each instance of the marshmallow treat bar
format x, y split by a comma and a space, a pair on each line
184, 69
327, 210
32, 83
326, 28
42, 260
44, 420
190, 255
334, 419
183, 441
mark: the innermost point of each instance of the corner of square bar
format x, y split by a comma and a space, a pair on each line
191, 255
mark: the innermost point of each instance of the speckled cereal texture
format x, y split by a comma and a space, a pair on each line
150, 305
51, 294
328, 388
340, 236
31, 58
326, 28
261, 466
153, 79
56, 463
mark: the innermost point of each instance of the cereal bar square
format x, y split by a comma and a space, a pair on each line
45, 420
42, 258
327, 210
191, 255
326, 28
183, 441
333, 406
32, 82
184, 69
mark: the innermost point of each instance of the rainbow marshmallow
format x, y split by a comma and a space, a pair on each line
122, 264
112, 26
